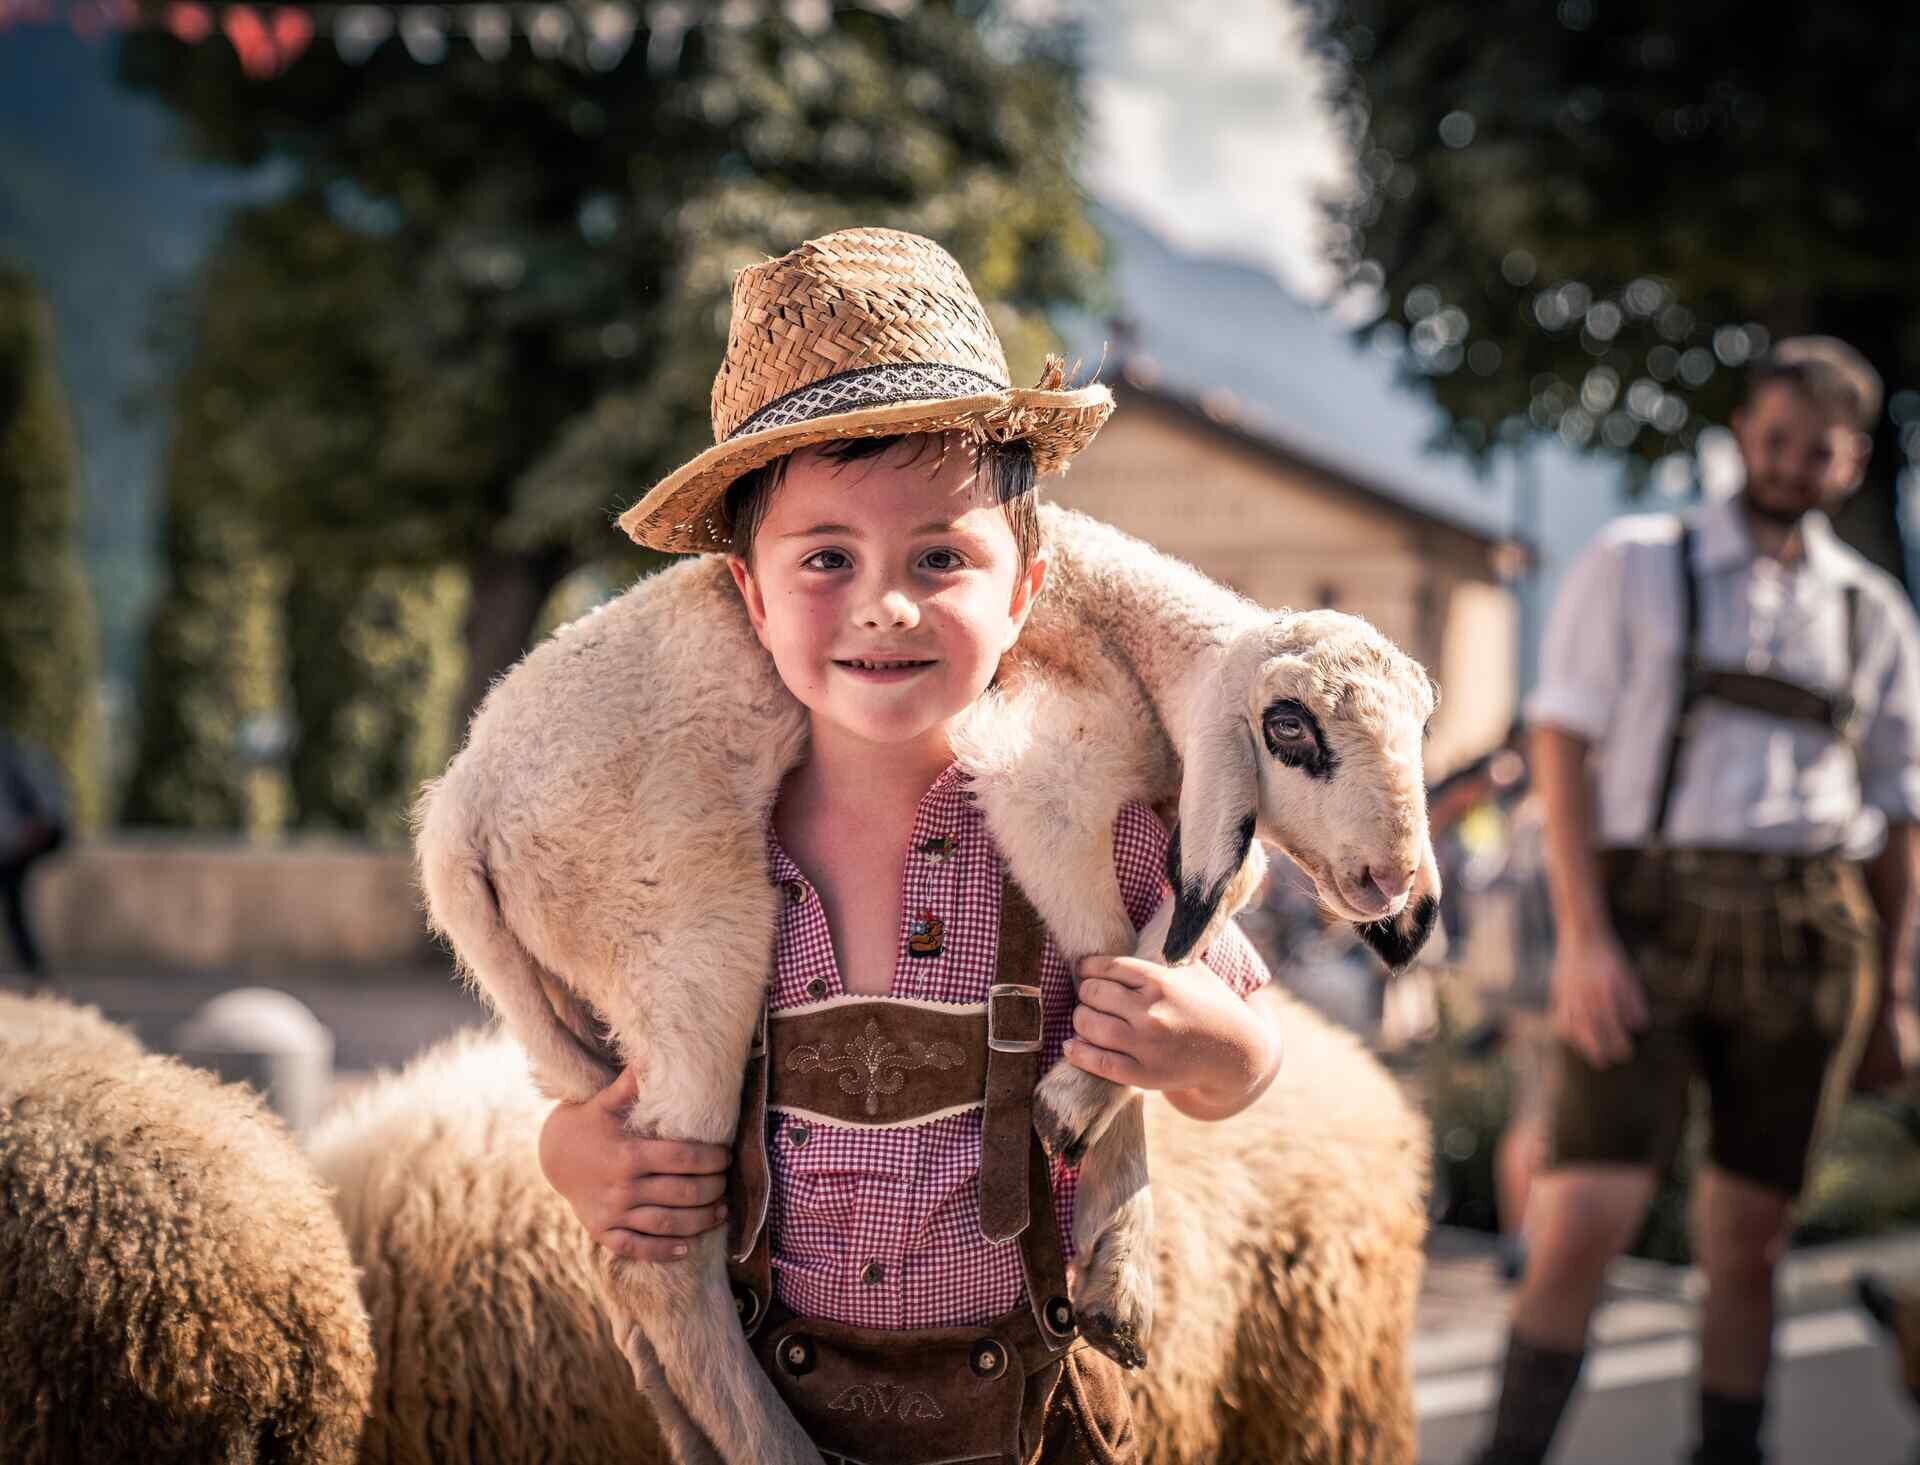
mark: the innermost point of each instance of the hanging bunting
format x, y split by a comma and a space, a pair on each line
358, 31
490, 28
610, 29
266, 44
189, 23
423, 30
549, 28
668, 22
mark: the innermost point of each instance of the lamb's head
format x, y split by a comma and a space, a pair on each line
1306, 733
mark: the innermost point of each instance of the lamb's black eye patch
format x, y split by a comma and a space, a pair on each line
1293, 735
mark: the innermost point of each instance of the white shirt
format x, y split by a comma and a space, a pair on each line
1610, 673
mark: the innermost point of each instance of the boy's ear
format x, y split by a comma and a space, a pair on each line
1026, 590
750, 595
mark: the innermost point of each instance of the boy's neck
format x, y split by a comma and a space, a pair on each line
864, 781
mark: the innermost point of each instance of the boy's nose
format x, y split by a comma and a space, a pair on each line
891, 609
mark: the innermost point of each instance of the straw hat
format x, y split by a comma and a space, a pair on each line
857, 334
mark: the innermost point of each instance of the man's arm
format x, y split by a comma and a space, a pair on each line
1894, 1044
1597, 1001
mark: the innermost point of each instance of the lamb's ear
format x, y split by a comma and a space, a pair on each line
1219, 797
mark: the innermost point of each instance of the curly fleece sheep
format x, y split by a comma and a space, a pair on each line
173, 1284
1288, 1264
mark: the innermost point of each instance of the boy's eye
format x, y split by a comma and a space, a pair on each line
942, 559
825, 559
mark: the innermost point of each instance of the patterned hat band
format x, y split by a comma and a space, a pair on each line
868, 386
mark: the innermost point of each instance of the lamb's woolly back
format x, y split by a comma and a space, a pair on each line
479, 1281
173, 1284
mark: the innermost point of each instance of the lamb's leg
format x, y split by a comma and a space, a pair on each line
685, 1443
681, 1334
1113, 1236
1072, 1109
687, 1085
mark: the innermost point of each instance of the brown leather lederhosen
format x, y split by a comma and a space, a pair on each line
985, 1394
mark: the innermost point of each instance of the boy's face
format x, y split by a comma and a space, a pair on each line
886, 590
1799, 455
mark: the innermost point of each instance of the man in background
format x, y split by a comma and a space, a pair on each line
1729, 702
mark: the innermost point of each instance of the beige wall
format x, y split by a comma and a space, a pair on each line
1285, 537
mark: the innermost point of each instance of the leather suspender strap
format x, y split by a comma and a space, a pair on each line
1013, 1067
1689, 688
749, 1182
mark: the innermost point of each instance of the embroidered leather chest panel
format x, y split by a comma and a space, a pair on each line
881, 1062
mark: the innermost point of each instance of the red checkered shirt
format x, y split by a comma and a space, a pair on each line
881, 1228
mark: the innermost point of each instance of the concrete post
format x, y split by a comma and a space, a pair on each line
266, 1038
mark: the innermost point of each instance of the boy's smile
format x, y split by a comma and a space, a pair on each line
886, 591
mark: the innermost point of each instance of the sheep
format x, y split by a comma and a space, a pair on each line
173, 1283
489, 1338
595, 856
1289, 1256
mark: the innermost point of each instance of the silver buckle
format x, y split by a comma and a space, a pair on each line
1012, 1045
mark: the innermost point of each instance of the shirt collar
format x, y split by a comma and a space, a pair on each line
1721, 540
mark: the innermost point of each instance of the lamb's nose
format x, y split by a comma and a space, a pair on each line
1388, 889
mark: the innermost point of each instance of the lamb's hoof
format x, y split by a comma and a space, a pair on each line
1072, 1108
1119, 1340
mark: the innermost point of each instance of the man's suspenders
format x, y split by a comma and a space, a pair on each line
1774, 696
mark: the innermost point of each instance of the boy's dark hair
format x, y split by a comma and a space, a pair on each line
1825, 370
1007, 469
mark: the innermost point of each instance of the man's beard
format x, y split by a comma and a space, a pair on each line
1781, 518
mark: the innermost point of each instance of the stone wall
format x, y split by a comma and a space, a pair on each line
197, 901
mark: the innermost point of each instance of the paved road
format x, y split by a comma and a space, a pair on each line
1837, 1401
380, 1016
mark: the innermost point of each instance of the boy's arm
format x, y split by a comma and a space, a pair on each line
1201, 1034
639, 1198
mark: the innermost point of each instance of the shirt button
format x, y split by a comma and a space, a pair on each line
797, 1134
816, 989
873, 1273
796, 891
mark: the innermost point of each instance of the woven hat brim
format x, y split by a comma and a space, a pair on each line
681, 513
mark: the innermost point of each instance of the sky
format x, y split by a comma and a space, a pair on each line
1210, 125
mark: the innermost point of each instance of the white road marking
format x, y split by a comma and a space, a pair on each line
1621, 1367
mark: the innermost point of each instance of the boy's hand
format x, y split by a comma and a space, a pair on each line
1180, 1029
638, 1198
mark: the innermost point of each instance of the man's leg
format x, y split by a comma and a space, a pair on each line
1739, 1229
1578, 1220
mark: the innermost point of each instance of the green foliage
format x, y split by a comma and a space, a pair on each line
372, 659
1587, 214
485, 311
212, 671
48, 655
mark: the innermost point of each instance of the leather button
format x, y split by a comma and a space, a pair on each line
988, 1359
1059, 1314
798, 1134
816, 989
746, 1305
873, 1274
796, 1355
796, 891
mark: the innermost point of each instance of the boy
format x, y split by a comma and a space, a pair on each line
1723, 696
872, 484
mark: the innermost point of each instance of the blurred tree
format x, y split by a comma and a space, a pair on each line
212, 674
372, 684
485, 312
48, 659
1586, 215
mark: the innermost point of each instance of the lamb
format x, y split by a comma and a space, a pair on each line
173, 1283
1288, 1260
595, 856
